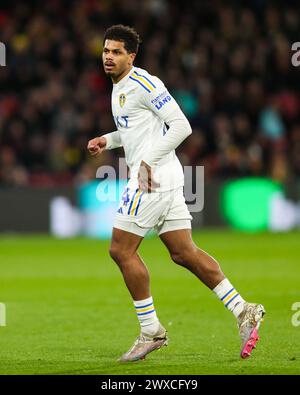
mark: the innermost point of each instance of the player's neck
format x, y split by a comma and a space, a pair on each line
121, 76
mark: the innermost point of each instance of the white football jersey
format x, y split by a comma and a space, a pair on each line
141, 107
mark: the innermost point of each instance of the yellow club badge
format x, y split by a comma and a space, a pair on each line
122, 99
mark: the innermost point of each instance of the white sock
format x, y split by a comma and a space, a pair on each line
230, 297
147, 316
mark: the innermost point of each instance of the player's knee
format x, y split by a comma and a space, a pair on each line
182, 257
118, 254
115, 253
179, 257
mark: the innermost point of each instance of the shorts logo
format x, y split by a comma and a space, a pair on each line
125, 197
122, 99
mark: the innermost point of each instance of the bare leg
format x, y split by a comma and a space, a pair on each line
184, 252
135, 273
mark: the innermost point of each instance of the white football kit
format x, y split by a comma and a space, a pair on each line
150, 125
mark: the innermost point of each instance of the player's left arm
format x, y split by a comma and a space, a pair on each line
160, 101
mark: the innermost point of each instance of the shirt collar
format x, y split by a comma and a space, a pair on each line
123, 81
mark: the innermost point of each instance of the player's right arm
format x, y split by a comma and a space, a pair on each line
106, 142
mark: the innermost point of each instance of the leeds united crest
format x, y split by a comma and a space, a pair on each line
122, 99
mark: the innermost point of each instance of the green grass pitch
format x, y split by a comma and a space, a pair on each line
69, 312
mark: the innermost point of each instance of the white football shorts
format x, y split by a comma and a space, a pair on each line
139, 211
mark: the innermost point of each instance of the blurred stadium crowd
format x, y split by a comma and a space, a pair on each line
228, 66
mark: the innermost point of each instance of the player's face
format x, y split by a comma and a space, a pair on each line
116, 60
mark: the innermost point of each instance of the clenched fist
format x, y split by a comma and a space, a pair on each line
96, 145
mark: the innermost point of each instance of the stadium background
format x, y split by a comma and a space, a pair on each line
229, 67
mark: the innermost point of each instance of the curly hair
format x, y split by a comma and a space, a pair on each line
125, 34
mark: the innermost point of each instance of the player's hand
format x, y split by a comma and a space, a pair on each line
145, 178
96, 145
